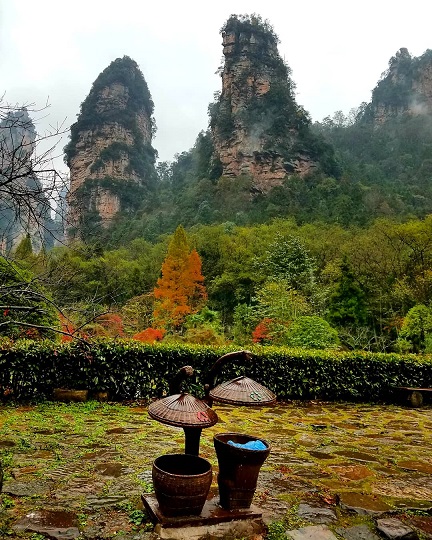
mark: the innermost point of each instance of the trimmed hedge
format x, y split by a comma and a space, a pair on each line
30, 370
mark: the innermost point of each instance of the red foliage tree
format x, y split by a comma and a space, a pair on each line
107, 325
68, 328
150, 335
261, 334
112, 324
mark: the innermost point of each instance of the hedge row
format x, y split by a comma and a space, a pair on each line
131, 370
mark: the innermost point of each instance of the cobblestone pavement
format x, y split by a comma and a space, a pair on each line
79, 470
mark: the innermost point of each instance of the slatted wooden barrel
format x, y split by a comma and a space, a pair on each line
181, 483
238, 469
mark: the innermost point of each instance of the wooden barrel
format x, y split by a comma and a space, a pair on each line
181, 483
238, 469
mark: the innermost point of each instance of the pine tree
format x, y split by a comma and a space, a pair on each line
347, 305
24, 249
180, 291
287, 259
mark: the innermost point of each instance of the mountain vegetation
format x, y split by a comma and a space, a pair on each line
361, 283
334, 254
385, 146
256, 116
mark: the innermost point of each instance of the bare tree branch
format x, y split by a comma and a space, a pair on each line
45, 328
22, 308
32, 201
30, 185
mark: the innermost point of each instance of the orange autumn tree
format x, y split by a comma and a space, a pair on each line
149, 335
181, 290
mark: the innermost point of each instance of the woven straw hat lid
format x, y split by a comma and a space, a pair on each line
183, 410
243, 391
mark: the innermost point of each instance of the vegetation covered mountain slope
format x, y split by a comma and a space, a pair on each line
364, 281
385, 146
375, 163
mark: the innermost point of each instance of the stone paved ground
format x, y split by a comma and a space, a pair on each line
334, 469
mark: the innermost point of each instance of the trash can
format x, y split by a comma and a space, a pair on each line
238, 469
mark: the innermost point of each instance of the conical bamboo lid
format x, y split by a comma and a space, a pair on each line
183, 410
243, 391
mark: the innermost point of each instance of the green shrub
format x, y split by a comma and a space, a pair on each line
27, 309
416, 329
311, 332
130, 370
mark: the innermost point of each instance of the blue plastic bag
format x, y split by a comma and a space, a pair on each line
250, 445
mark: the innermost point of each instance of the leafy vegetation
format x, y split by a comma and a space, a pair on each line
128, 192
416, 331
395, 91
363, 282
384, 147
128, 370
248, 24
311, 332
141, 158
26, 309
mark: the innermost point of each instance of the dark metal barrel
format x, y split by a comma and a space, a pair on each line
238, 469
181, 483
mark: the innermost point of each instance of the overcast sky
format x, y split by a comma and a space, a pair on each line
52, 50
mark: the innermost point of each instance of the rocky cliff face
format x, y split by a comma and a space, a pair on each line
406, 87
24, 205
110, 156
258, 129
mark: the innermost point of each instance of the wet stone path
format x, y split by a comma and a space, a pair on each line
334, 471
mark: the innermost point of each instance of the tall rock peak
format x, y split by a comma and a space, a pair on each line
405, 87
257, 127
24, 206
109, 154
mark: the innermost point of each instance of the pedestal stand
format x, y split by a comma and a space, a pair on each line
213, 520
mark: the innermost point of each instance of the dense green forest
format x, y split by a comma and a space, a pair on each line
351, 287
